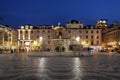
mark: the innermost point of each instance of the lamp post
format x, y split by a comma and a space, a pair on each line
41, 43
78, 45
78, 39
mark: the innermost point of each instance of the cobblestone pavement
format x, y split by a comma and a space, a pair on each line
23, 67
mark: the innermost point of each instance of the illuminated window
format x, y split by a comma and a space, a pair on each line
100, 21
103, 21
22, 27
26, 27
31, 27
27, 43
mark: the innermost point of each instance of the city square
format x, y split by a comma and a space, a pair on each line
99, 66
59, 40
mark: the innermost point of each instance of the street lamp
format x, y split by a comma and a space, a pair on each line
40, 38
83, 42
78, 39
41, 43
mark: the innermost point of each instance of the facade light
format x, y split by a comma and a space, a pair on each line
40, 38
83, 42
35, 42
78, 39
27, 43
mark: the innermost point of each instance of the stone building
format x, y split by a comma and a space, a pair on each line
111, 36
8, 38
49, 37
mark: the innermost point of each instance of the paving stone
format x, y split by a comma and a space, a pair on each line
24, 67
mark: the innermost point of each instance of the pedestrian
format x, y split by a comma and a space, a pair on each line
89, 51
12, 51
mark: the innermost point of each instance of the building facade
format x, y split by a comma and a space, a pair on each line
8, 38
102, 23
111, 36
89, 35
50, 37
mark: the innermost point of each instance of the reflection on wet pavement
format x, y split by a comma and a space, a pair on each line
23, 67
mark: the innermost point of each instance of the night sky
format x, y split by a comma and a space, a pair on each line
50, 12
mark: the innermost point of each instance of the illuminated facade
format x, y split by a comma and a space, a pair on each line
111, 36
102, 23
49, 37
8, 38
34, 37
89, 35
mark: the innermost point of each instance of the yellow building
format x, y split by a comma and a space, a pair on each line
33, 37
111, 36
8, 38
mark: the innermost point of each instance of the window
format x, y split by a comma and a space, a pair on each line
87, 42
48, 31
79, 26
91, 31
91, 42
48, 36
97, 31
91, 37
38, 36
48, 42
97, 37
86, 31
37, 31
69, 31
97, 42
31, 37
86, 37
9, 34
20, 32
43, 31
31, 31
26, 32
80, 31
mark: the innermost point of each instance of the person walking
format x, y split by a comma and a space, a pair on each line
89, 51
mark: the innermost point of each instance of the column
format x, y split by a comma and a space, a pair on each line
29, 34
